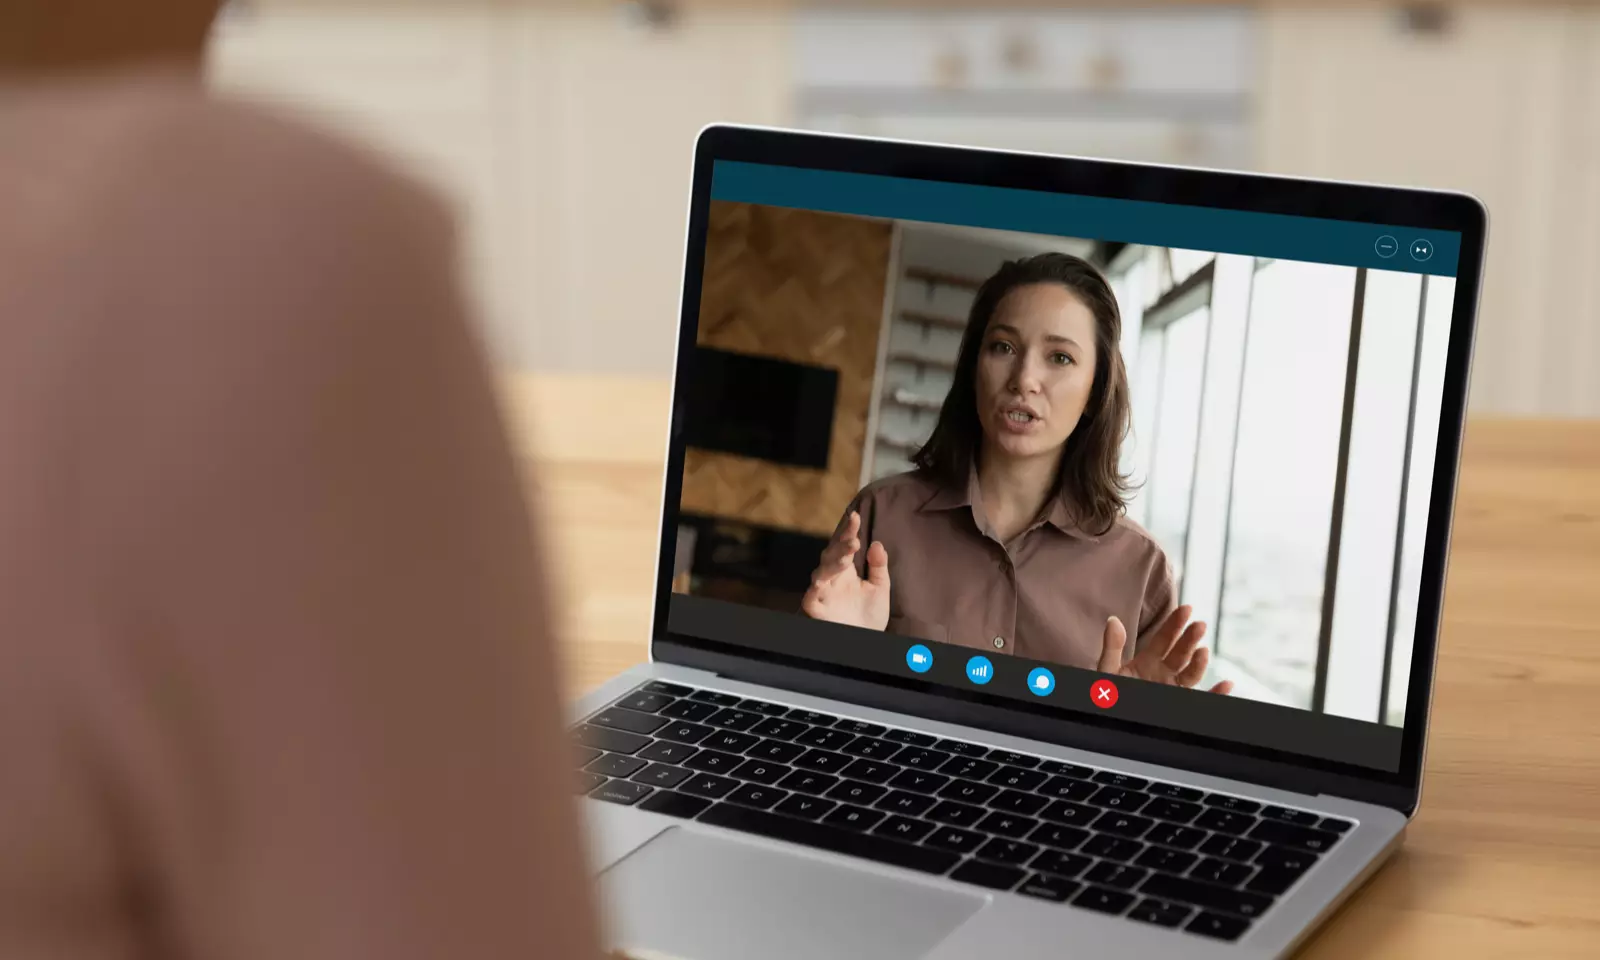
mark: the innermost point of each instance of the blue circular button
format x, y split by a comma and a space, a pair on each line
980, 670
1041, 682
920, 659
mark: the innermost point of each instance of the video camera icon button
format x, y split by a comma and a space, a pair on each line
919, 658
1103, 694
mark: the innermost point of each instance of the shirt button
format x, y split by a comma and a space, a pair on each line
999, 643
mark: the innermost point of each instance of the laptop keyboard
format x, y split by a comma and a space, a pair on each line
1159, 853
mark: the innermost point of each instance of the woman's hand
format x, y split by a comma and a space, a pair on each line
838, 593
1172, 654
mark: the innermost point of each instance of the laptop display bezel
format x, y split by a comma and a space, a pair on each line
1207, 188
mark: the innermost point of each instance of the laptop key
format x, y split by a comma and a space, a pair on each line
955, 840
666, 751
729, 742
1016, 778
1225, 821
1230, 848
918, 781
644, 702
623, 792
911, 738
1285, 858
969, 768
812, 717
761, 771
779, 729
823, 761
870, 771
1160, 912
693, 710
1177, 811
1170, 861
903, 828
731, 719
763, 707
585, 755
1071, 814
967, 792
1123, 824
1064, 788
1172, 835
961, 748
611, 741
712, 761
1224, 872
957, 814
856, 791
1103, 900
708, 785
1216, 925
662, 775
1273, 881
849, 817
1060, 768
776, 751
1107, 847
616, 765
756, 795
1008, 824
1299, 818
808, 781
685, 731
921, 758
824, 739
1012, 758
871, 748
674, 804
1045, 887
670, 689
588, 781
1117, 798
1015, 801
907, 804
1188, 794
1208, 896
859, 727
1123, 780
1236, 804
1059, 837
823, 837
1119, 875
991, 875
1060, 864
715, 698
1289, 835
804, 807
617, 718
1335, 825
1012, 852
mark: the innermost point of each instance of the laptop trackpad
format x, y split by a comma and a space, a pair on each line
695, 896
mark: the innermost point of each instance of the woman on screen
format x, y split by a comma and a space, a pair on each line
1010, 534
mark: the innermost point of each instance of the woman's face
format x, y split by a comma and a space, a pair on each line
1035, 370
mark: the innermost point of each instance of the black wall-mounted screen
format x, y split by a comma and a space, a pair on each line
761, 407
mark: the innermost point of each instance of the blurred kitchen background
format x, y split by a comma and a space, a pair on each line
564, 132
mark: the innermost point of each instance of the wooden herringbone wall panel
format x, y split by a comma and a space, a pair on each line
802, 286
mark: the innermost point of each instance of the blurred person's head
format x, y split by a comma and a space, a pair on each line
45, 37
1040, 378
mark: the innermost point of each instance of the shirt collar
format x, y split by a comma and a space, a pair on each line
946, 497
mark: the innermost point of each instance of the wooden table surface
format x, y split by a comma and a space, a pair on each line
1503, 859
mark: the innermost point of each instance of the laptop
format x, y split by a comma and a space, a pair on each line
1051, 557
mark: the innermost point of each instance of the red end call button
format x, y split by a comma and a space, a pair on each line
1103, 694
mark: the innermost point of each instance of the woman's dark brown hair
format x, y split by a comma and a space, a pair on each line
1090, 482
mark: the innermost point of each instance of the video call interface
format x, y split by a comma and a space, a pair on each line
1054, 449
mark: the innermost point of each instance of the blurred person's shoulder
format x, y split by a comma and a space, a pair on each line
1128, 536
899, 493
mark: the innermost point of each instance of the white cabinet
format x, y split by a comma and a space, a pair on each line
1503, 103
564, 137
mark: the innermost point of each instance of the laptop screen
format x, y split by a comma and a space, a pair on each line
1169, 464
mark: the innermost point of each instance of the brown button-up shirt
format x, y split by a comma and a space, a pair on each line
1046, 595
